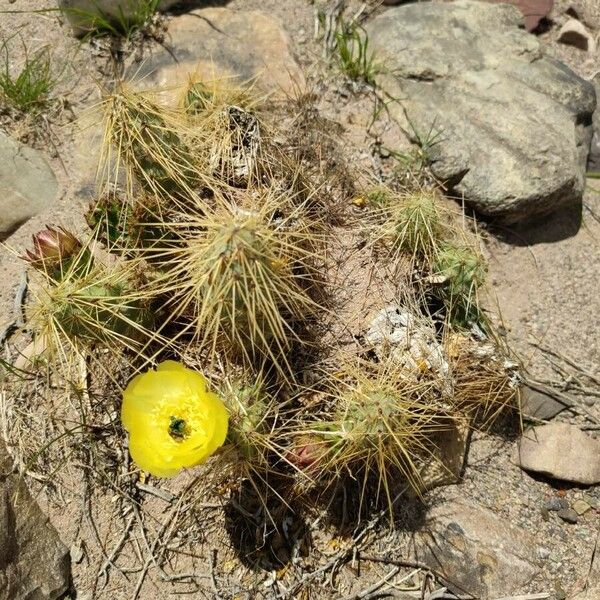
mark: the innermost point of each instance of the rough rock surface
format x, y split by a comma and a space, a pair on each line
592, 589
222, 42
560, 451
81, 12
479, 552
510, 127
594, 157
34, 563
27, 184
537, 404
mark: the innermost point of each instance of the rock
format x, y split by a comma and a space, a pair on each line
34, 564
397, 333
220, 42
568, 515
27, 184
560, 451
449, 455
479, 552
82, 13
510, 127
587, 15
538, 405
594, 157
581, 507
543, 553
555, 503
533, 11
592, 591
574, 33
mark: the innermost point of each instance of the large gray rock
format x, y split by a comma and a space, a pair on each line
560, 451
27, 184
220, 42
511, 127
478, 551
82, 13
34, 563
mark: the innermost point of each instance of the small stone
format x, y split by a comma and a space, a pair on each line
27, 184
539, 405
556, 503
574, 33
580, 507
76, 553
568, 515
591, 500
543, 553
560, 451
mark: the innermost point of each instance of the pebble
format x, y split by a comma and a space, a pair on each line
76, 553
568, 515
555, 503
574, 33
543, 553
581, 507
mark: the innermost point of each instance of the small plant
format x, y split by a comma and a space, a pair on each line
129, 17
354, 57
241, 277
410, 223
380, 425
29, 88
148, 144
462, 271
80, 301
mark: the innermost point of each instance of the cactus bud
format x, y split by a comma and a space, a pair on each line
307, 453
55, 251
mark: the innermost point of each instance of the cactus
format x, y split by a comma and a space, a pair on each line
411, 223
249, 408
462, 271
241, 278
379, 425
95, 306
149, 142
486, 379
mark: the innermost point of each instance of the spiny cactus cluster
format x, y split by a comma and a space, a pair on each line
209, 245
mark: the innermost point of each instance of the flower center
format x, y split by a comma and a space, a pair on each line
178, 429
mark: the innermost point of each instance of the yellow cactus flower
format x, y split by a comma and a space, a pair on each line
172, 419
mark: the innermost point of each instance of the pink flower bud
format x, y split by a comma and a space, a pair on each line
307, 452
51, 246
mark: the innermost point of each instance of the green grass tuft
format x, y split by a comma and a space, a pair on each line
354, 57
27, 89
